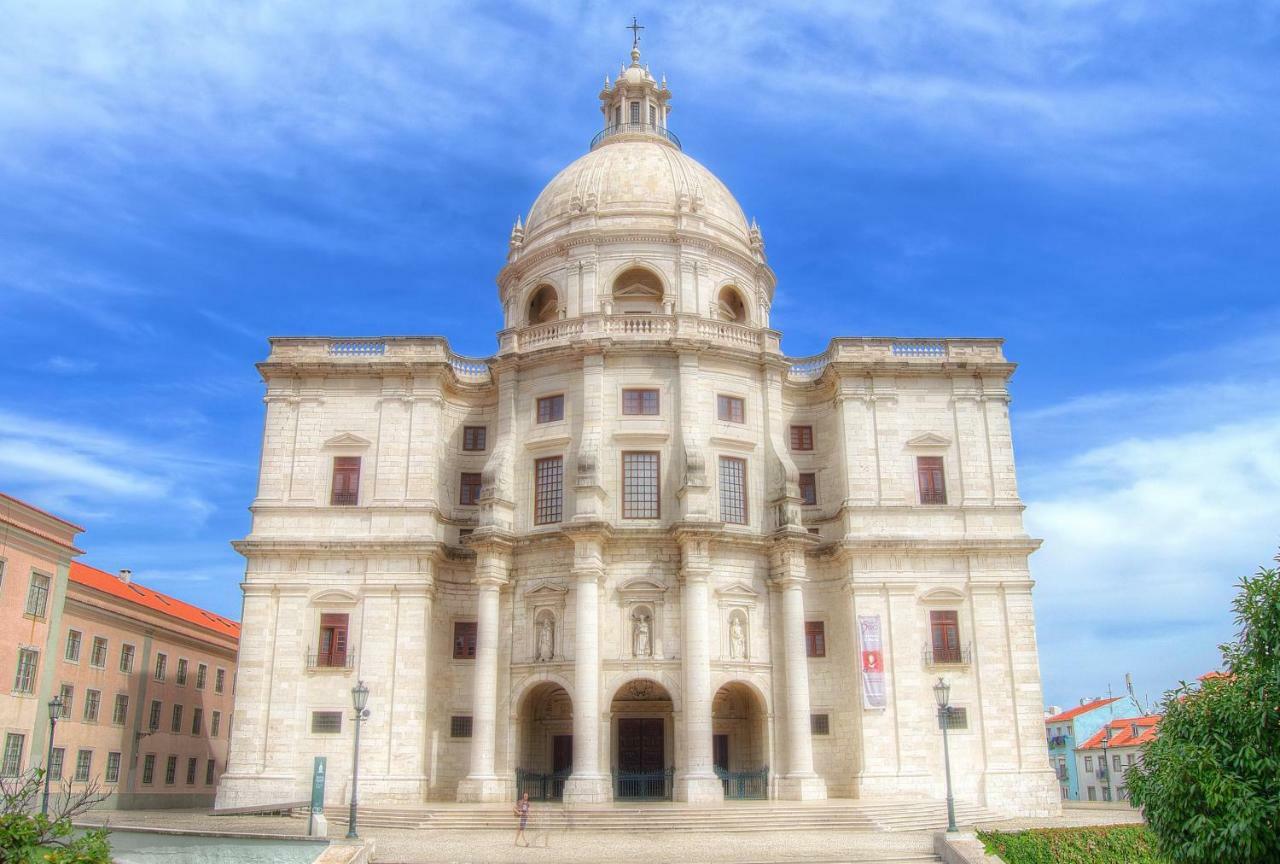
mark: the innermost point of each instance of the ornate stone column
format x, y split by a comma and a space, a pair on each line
787, 569
493, 567
696, 780
588, 784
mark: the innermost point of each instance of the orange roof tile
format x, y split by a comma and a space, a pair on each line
1082, 709
107, 583
1122, 733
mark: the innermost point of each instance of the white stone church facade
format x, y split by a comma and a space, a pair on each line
638, 552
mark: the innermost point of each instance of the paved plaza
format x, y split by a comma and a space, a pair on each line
407, 846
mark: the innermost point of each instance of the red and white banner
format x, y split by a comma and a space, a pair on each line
872, 661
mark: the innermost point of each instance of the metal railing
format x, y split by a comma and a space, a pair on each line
947, 656
1058, 741
634, 129
745, 785
1102, 773
643, 785
331, 660
539, 786
344, 499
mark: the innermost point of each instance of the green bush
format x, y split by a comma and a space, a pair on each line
1117, 844
28, 836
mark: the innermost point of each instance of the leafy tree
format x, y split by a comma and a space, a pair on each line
28, 836
1210, 783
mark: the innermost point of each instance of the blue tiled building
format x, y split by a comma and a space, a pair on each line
1067, 730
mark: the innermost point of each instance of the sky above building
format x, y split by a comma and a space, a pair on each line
1094, 182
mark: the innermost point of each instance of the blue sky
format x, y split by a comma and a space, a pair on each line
1095, 182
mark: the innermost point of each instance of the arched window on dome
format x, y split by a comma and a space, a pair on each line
637, 291
544, 305
730, 306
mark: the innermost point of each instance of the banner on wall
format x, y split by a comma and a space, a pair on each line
872, 661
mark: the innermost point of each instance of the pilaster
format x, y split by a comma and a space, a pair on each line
696, 780
588, 784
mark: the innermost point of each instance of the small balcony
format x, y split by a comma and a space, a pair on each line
1102, 773
947, 656
1058, 741
321, 661
1062, 774
617, 129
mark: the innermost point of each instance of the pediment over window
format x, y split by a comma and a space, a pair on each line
546, 592
929, 439
738, 591
333, 595
642, 588
347, 439
942, 595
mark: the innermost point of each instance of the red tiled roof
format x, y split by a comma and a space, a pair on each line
1082, 709
107, 583
1122, 733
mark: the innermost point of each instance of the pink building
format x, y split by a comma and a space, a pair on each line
36, 549
148, 681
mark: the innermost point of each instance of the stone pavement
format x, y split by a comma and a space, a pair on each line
402, 846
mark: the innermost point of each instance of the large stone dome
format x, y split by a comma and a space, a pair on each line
639, 183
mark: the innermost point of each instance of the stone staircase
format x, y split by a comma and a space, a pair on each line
735, 817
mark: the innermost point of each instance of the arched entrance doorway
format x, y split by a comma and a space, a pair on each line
545, 721
739, 747
643, 752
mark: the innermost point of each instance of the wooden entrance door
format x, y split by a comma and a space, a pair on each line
641, 744
561, 753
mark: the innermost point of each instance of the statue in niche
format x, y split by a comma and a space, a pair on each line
642, 646
546, 640
737, 640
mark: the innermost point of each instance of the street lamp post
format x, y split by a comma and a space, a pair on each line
55, 708
942, 693
359, 698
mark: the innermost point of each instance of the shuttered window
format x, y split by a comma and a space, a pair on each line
944, 626
346, 481
331, 649
933, 487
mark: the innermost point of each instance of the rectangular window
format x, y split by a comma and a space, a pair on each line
642, 402
944, 625
153, 721
1128, 759
548, 490
202, 676
92, 704
820, 724
98, 656
733, 490
170, 770
464, 640
550, 409
56, 761
38, 595
68, 694
933, 485
73, 646
808, 488
208, 772
730, 409
640, 485
175, 724
149, 769
197, 721
635, 112
214, 722
469, 488
12, 765
180, 677
24, 679
113, 767
219, 680
192, 764
346, 481
815, 639
801, 437
161, 662
326, 722
473, 437
957, 718
126, 658
120, 713
331, 651
1088, 763
1115, 761
84, 765
459, 727
653, 116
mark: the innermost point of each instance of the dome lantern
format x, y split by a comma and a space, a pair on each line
635, 105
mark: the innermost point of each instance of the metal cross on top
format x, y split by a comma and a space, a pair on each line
635, 32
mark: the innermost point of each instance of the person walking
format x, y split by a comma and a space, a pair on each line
522, 810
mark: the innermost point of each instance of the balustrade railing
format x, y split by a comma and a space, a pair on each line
808, 368
358, 347
469, 368
904, 348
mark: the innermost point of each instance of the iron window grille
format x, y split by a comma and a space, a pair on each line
326, 722
84, 765
113, 767
73, 646
38, 595
459, 727
820, 724
24, 679
98, 656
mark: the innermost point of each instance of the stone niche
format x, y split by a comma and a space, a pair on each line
642, 619
544, 623
738, 615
